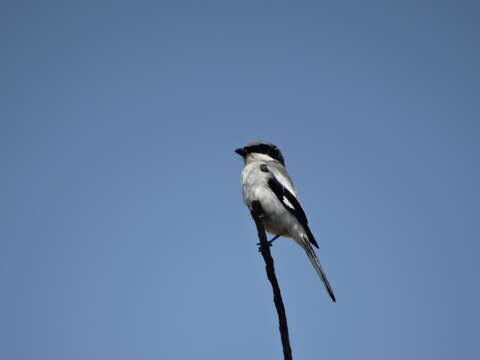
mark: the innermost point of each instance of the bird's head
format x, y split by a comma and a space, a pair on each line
260, 150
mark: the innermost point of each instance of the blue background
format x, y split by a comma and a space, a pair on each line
123, 232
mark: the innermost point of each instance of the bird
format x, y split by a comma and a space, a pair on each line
265, 180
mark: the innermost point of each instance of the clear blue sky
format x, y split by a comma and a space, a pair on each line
123, 232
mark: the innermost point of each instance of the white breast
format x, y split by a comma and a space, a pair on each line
277, 219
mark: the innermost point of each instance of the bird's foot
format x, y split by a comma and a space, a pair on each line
269, 242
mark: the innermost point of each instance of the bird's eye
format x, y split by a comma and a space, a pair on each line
264, 168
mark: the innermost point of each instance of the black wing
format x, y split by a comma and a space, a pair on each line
290, 202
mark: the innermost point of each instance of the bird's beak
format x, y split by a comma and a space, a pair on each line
241, 152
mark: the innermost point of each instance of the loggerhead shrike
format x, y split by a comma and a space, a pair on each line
265, 179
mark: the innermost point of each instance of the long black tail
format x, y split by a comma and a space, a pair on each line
318, 268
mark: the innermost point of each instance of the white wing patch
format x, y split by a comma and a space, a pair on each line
283, 179
288, 203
